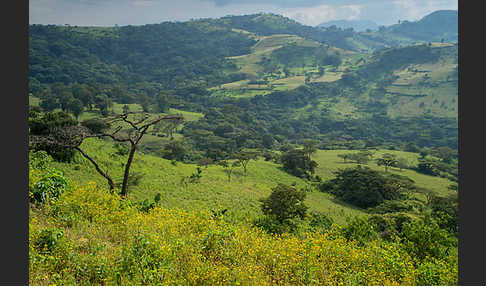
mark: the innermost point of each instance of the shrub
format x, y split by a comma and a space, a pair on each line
285, 202
391, 207
121, 149
49, 187
39, 160
45, 124
390, 224
437, 273
95, 125
445, 212
48, 239
298, 163
359, 229
174, 151
282, 209
270, 224
321, 222
146, 205
423, 240
365, 187
45, 183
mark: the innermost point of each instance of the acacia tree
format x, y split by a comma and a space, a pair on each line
229, 167
344, 157
73, 137
309, 147
168, 127
244, 158
388, 160
205, 161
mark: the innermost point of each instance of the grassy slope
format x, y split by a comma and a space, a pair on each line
263, 48
214, 191
104, 241
329, 162
409, 95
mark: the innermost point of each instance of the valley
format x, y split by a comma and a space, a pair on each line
309, 155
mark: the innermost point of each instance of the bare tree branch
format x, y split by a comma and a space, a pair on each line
73, 137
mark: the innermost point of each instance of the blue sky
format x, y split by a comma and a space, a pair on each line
307, 12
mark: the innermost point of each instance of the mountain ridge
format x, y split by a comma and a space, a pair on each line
357, 25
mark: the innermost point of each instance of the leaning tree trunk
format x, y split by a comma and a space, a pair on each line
124, 189
101, 172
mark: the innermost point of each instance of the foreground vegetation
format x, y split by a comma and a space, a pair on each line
85, 235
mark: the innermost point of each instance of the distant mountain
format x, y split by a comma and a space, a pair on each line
391, 96
437, 26
357, 25
270, 24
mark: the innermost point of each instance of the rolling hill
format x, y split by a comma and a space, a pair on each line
311, 102
357, 25
438, 26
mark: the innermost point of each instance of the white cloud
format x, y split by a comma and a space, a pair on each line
323, 13
313, 15
138, 12
414, 10
355, 11
143, 3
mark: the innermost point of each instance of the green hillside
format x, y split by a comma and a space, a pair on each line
240, 195
438, 26
243, 150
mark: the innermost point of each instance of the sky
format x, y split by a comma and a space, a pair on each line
307, 12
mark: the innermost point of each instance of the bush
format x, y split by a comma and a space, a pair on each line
270, 224
423, 240
391, 207
298, 163
39, 160
49, 187
389, 225
45, 124
445, 211
320, 221
48, 239
360, 230
122, 149
364, 187
285, 203
95, 125
45, 183
174, 151
145, 205
437, 273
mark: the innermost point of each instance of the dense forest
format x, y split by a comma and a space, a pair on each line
243, 150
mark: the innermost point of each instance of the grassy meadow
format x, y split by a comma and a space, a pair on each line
214, 191
89, 236
240, 195
329, 162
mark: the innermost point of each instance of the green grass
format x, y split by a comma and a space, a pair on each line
241, 195
328, 77
214, 191
188, 115
34, 101
329, 162
264, 47
240, 93
289, 82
